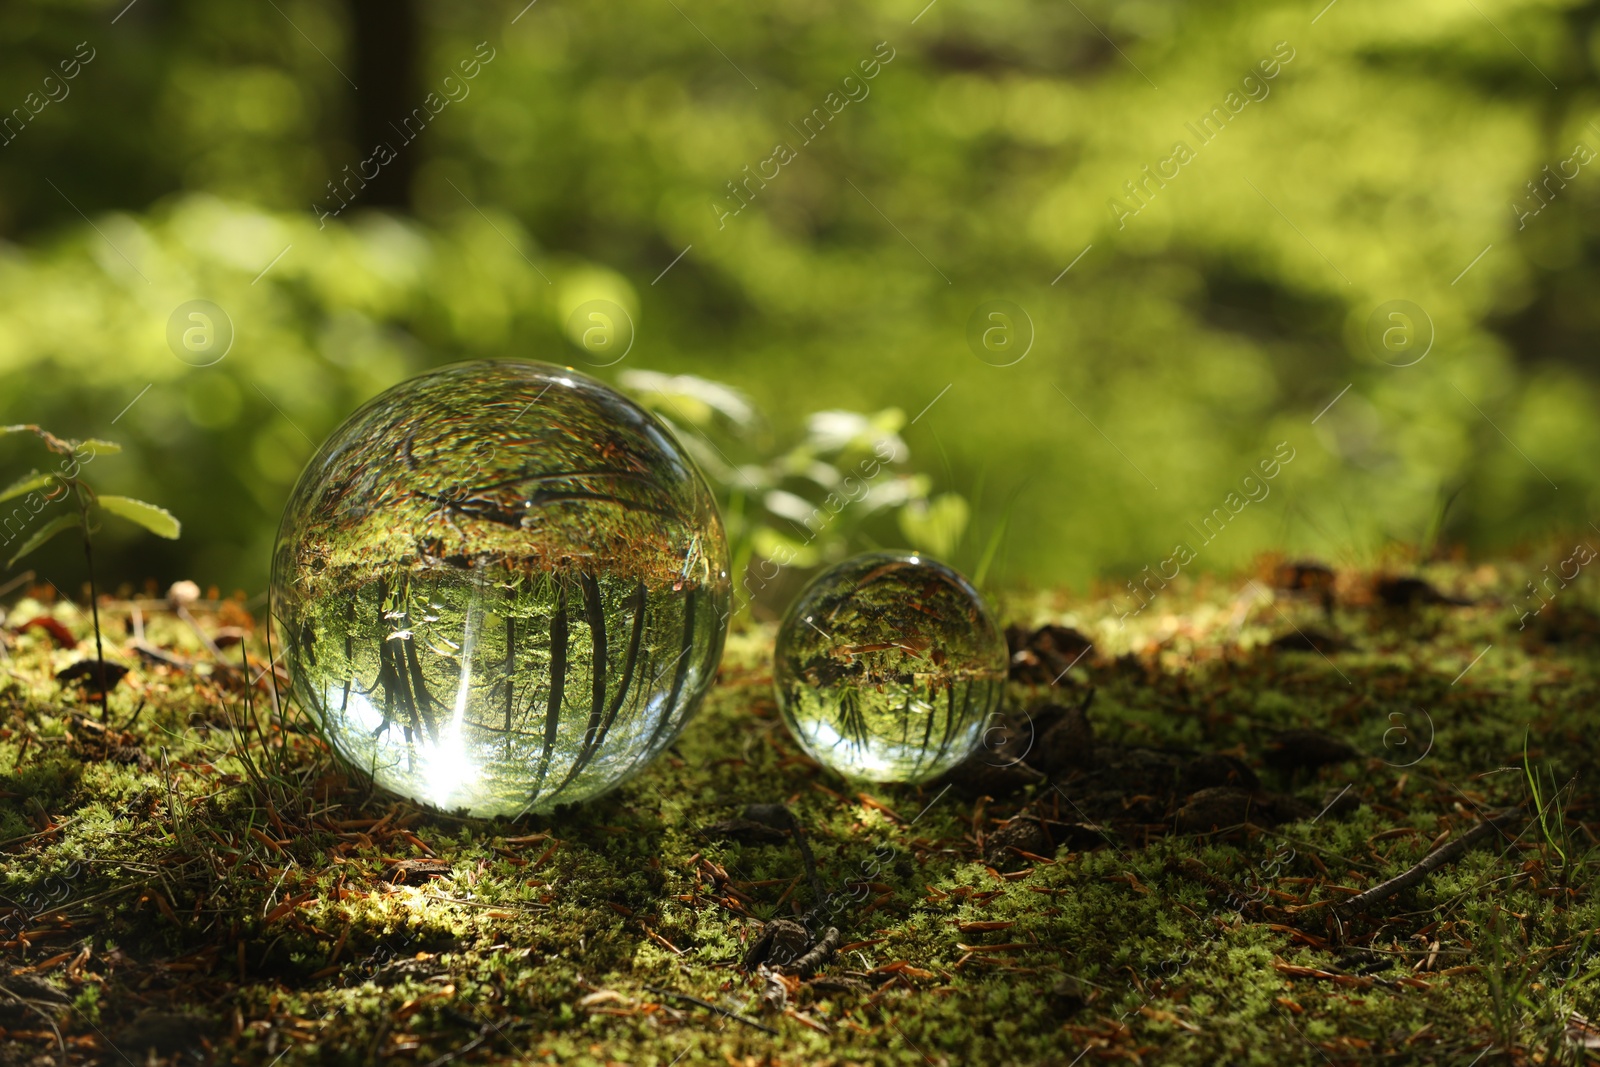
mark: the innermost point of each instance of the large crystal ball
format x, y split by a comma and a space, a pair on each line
502, 586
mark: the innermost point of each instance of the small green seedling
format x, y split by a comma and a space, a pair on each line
38, 489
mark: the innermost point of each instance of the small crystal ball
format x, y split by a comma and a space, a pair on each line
889, 668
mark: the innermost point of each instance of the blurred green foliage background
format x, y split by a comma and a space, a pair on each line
1385, 159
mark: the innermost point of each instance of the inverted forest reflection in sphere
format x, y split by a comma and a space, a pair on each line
503, 586
888, 668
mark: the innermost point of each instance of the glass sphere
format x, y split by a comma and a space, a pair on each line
502, 586
888, 668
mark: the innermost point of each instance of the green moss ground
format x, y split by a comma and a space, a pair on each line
166, 894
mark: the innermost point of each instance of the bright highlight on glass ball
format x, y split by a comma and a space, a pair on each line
888, 668
503, 586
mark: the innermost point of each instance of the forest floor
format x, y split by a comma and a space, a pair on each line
1157, 859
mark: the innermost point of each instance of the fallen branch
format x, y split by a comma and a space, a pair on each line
706, 1004
1446, 853
780, 817
775, 995
818, 954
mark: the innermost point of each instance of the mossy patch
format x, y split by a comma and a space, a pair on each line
201, 878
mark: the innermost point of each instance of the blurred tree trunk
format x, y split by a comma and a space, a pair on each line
384, 38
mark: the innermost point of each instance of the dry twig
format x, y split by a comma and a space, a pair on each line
1446, 853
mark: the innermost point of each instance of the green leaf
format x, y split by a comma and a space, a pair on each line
29, 484
45, 532
936, 525
96, 447
697, 401
158, 521
784, 551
